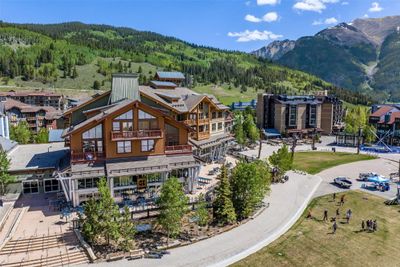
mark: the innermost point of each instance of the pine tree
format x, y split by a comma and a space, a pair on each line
96, 85
202, 214
224, 212
74, 73
5, 177
172, 204
127, 231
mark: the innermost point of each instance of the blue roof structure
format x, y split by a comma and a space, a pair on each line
161, 84
271, 133
243, 105
55, 135
170, 75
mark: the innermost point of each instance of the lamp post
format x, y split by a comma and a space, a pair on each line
359, 139
294, 144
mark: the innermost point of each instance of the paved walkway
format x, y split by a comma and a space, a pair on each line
287, 202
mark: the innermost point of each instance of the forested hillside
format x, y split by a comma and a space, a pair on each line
81, 56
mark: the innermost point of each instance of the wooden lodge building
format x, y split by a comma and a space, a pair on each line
138, 136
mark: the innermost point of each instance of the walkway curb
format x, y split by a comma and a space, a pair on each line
279, 232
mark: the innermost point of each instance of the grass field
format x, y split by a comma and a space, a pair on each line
310, 242
315, 162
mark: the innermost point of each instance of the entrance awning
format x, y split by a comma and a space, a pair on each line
272, 133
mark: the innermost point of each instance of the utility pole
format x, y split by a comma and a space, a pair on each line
260, 148
294, 144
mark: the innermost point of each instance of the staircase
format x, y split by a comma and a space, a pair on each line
53, 250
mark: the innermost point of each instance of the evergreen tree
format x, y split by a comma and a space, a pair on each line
140, 69
172, 204
250, 128
21, 133
90, 221
96, 85
5, 177
224, 212
74, 73
238, 129
127, 231
249, 184
202, 214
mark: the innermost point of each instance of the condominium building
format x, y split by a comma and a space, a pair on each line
42, 99
298, 115
36, 116
386, 120
137, 137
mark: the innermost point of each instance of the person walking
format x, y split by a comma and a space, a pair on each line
337, 212
342, 200
334, 226
325, 215
375, 226
349, 214
363, 225
334, 196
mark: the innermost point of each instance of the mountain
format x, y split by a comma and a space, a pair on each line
83, 56
361, 56
275, 50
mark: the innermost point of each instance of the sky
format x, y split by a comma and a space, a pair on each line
243, 25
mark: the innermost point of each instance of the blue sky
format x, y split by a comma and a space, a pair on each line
229, 24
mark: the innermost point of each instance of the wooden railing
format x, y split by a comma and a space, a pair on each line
178, 149
203, 135
79, 156
190, 122
204, 121
141, 134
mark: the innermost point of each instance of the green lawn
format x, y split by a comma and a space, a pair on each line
310, 242
315, 162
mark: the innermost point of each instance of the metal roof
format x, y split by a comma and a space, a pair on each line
6, 144
170, 75
162, 83
55, 135
124, 86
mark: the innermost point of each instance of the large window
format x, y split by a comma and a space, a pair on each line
30, 187
92, 145
124, 147
313, 115
94, 133
147, 145
292, 115
126, 116
88, 183
124, 181
51, 185
147, 121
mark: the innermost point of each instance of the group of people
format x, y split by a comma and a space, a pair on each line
370, 225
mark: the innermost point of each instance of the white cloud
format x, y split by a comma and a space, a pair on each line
366, 16
313, 5
269, 17
345, 3
310, 5
268, 2
327, 21
375, 7
252, 18
248, 36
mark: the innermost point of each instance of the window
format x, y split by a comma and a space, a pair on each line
30, 187
116, 126
94, 133
143, 115
220, 126
214, 115
124, 181
147, 145
127, 126
313, 115
88, 183
124, 147
292, 115
126, 116
214, 127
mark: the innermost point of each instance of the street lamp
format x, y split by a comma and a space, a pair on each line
359, 139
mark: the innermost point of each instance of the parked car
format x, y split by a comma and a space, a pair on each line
364, 176
343, 182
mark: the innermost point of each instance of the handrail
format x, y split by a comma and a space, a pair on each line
139, 134
178, 149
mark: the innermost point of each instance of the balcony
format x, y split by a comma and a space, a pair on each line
136, 135
178, 149
82, 157
203, 135
204, 121
190, 122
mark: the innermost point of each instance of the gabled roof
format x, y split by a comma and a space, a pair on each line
87, 102
163, 84
170, 75
111, 110
383, 110
25, 108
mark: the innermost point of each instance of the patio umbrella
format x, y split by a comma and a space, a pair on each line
378, 179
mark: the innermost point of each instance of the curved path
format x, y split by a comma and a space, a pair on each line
287, 203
